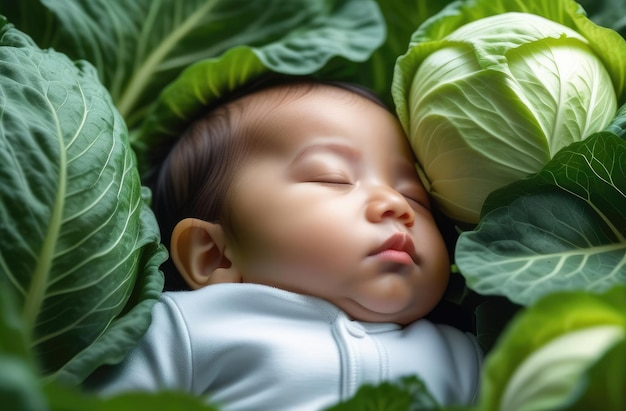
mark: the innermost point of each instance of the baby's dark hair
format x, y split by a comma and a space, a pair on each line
195, 177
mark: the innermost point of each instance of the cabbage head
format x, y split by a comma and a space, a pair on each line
488, 92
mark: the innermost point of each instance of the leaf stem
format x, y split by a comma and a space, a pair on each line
39, 283
143, 74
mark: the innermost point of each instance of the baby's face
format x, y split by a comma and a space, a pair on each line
331, 206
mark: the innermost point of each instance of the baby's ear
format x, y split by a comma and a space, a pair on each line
197, 249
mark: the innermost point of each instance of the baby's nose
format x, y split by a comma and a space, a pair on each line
387, 203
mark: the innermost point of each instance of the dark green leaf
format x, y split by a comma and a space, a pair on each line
77, 238
407, 393
313, 35
62, 398
139, 47
563, 229
618, 124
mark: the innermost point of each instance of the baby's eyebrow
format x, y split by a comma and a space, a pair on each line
344, 150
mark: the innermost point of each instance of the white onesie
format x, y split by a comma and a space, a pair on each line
254, 347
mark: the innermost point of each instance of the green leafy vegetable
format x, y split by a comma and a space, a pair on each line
548, 353
562, 229
139, 47
69, 399
79, 246
497, 88
603, 383
407, 393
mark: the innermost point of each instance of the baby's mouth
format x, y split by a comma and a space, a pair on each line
398, 248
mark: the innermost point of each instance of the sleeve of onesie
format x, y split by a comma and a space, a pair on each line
467, 360
161, 360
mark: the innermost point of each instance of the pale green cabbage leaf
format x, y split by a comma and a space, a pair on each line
547, 354
488, 92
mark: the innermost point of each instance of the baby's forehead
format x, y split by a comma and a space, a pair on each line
280, 117
285, 104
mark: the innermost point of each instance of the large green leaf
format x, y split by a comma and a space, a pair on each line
22, 389
549, 355
140, 46
198, 86
344, 28
562, 229
402, 17
603, 385
79, 246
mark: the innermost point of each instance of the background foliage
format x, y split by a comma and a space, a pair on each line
87, 87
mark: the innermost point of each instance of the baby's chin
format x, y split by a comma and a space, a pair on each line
390, 298
392, 311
